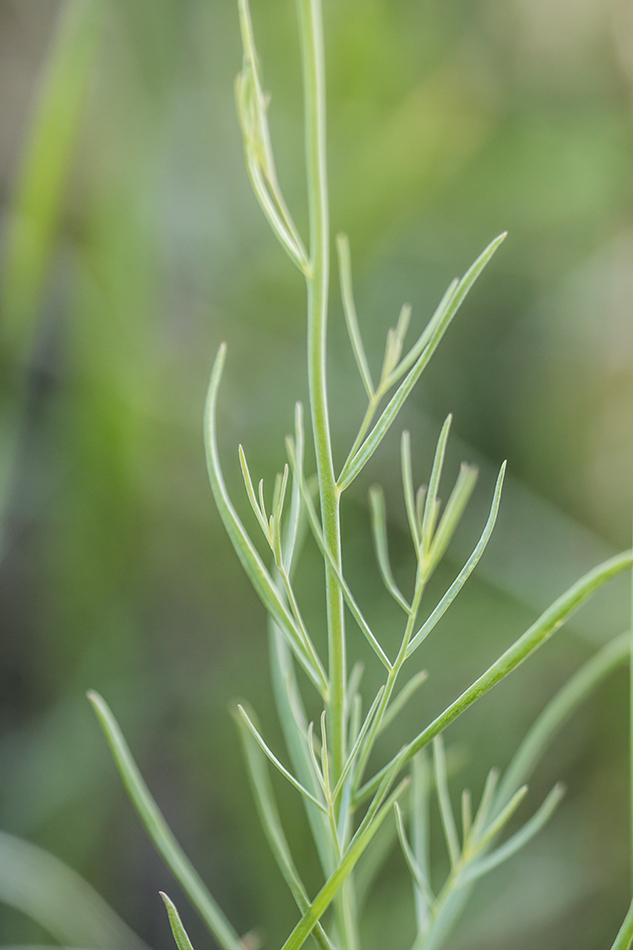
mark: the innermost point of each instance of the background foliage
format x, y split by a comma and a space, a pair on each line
139, 248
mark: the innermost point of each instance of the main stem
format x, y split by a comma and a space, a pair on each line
313, 60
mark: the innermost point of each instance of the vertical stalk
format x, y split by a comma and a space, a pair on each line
631, 736
313, 63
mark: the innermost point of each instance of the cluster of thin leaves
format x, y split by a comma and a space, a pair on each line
345, 807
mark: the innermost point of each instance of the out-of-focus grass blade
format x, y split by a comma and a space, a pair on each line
44, 168
160, 833
180, 934
58, 899
35, 207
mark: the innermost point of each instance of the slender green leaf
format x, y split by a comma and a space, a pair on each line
470, 565
354, 609
358, 743
251, 561
420, 829
426, 334
444, 800
490, 832
459, 498
624, 939
416, 873
540, 631
379, 528
430, 504
250, 492
557, 712
180, 934
273, 758
517, 840
485, 804
271, 823
160, 833
361, 456
403, 698
349, 308
407, 486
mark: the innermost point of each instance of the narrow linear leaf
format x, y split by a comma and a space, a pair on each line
251, 561
403, 698
349, 309
444, 801
420, 829
273, 829
160, 833
540, 631
379, 529
492, 830
470, 565
426, 334
347, 594
416, 873
294, 518
407, 486
293, 721
490, 787
558, 710
250, 492
358, 743
519, 839
180, 934
430, 504
467, 814
624, 939
455, 506
361, 456
252, 104
273, 758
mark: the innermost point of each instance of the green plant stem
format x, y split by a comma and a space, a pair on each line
317, 278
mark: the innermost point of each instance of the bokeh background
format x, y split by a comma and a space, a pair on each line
132, 247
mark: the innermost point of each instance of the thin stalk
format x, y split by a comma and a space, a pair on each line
631, 732
317, 279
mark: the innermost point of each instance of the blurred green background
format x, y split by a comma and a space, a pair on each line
132, 247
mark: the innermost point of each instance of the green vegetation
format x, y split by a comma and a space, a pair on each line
365, 757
